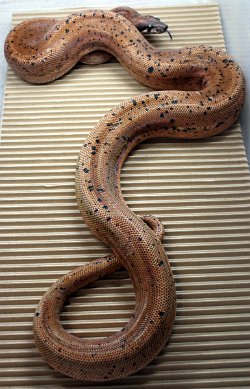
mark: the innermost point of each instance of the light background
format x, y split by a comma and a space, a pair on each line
199, 190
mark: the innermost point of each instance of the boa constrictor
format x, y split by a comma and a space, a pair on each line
200, 92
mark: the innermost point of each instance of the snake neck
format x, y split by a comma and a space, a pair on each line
36, 46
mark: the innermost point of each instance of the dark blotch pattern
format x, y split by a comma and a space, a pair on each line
199, 92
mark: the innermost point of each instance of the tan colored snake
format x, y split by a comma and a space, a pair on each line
200, 92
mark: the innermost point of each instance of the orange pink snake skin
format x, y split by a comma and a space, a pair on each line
199, 93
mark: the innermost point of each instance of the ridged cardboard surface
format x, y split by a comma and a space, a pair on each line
200, 190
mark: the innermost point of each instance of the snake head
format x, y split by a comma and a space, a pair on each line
144, 23
152, 25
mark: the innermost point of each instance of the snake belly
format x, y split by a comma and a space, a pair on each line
199, 93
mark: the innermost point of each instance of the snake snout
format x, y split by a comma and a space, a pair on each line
158, 28
152, 25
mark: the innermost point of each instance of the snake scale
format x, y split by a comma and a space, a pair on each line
199, 93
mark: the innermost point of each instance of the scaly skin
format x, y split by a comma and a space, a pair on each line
146, 23
208, 98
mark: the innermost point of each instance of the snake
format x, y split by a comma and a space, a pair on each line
198, 92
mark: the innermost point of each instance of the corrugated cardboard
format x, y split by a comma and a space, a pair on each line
199, 189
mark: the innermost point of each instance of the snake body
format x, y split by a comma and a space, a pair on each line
200, 92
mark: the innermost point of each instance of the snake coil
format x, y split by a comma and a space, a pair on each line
200, 92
